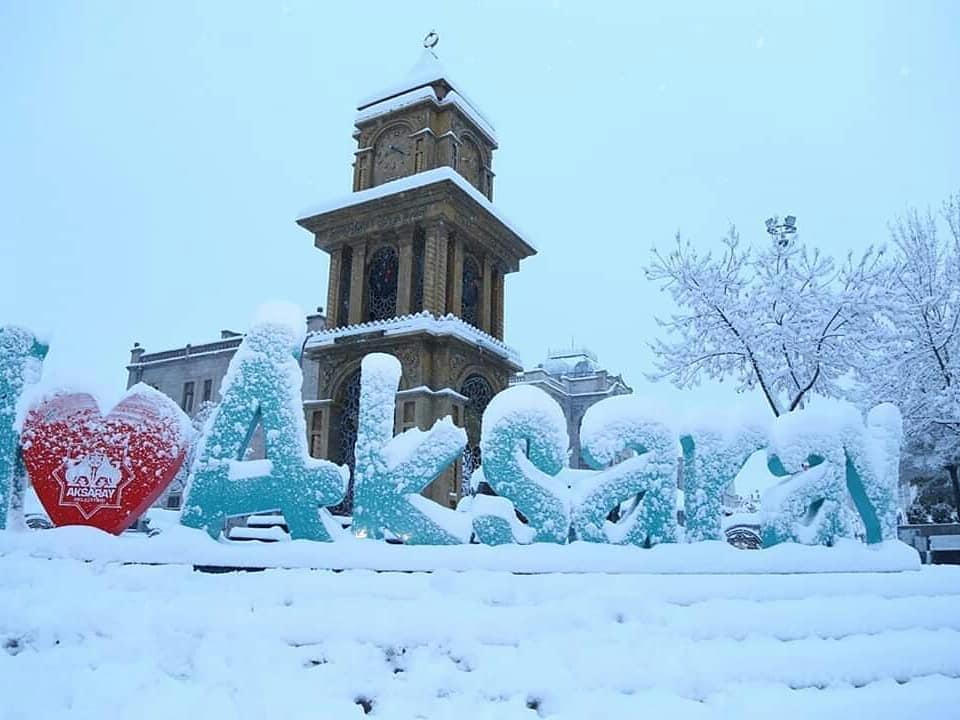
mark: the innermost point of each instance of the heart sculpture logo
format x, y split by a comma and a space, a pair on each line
88, 469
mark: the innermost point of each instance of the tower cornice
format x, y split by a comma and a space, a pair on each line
440, 194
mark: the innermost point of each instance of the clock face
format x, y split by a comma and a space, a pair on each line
393, 156
470, 163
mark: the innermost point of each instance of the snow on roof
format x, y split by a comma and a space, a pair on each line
424, 321
411, 97
427, 94
427, 70
427, 177
455, 98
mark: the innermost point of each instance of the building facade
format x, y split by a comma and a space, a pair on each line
574, 378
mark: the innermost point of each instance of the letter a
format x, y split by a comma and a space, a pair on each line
262, 386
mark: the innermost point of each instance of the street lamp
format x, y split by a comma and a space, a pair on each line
782, 232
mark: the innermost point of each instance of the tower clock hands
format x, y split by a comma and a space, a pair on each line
396, 149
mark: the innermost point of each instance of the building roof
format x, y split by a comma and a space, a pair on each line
446, 325
427, 94
573, 372
227, 344
426, 72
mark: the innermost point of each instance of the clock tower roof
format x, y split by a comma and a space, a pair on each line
428, 72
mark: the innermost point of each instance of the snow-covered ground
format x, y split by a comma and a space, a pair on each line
185, 546
95, 640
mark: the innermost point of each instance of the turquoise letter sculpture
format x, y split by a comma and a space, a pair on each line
21, 357
262, 386
873, 478
847, 459
809, 505
523, 447
872, 467
622, 428
711, 460
495, 520
391, 471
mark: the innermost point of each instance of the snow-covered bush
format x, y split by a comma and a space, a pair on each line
943, 513
262, 386
391, 471
21, 358
524, 445
610, 430
930, 492
917, 513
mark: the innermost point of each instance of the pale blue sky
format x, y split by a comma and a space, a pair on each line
154, 156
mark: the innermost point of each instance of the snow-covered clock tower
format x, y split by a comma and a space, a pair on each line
418, 255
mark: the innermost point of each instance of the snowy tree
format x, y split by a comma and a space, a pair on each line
784, 319
916, 362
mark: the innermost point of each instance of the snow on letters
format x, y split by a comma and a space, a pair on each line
523, 444
21, 356
262, 386
712, 458
611, 429
828, 454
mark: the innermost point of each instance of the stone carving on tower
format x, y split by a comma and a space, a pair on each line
418, 254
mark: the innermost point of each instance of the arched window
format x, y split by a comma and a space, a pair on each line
478, 393
470, 302
348, 416
382, 285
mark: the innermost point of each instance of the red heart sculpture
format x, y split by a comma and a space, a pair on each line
103, 471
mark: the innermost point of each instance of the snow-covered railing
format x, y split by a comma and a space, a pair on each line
422, 321
191, 351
